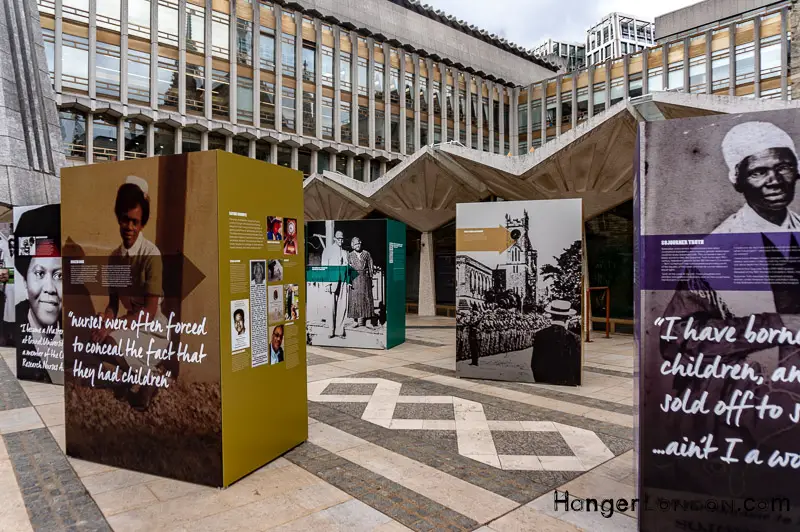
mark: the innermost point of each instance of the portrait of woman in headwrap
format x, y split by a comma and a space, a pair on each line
360, 305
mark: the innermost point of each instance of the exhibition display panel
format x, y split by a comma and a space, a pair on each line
184, 315
356, 283
716, 322
519, 291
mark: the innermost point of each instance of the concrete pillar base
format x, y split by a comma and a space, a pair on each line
427, 279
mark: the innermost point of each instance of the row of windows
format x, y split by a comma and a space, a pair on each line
106, 145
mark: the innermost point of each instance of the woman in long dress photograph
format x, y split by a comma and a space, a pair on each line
360, 306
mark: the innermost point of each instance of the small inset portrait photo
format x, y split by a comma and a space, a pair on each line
274, 271
274, 228
290, 236
258, 272
275, 304
292, 296
276, 345
240, 324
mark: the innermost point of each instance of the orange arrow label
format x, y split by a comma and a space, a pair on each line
496, 239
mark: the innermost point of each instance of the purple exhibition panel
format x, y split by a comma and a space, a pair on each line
718, 323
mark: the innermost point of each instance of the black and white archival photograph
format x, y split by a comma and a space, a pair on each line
519, 291
346, 283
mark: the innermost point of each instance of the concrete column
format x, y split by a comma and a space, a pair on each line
491, 116
337, 85
273, 153
401, 54
58, 66
513, 115
256, 51
543, 125
608, 83
182, 58
529, 126
371, 91
665, 69
229, 143
686, 61
427, 276
251, 149
431, 112
121, 139
732, 59
468, 110
757, 56
794, 26
785, 52
591, 91
574, 118
382, 169
294, 162
443, 99
350, 166
204, 141
178, 140
387, 97
278, 10
123, 53
300, 72
354, 86
314, 162
92, 50
417, 110
332, 161
208, 66
456, 110
232, 104
645, 84
367, 170
479, 87
558, 105
501, 116
89, 138
709, 70
317, 85
151, 139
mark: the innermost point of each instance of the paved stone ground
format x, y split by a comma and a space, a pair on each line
421, 468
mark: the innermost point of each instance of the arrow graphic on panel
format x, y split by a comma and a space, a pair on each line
496, 239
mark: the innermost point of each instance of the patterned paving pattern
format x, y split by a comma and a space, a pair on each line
474, 432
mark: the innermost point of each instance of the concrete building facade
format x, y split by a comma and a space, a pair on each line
568, 56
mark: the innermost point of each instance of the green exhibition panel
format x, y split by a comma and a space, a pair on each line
355, 274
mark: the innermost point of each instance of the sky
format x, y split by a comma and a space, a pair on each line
531, 22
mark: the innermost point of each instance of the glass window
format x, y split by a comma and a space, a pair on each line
395, 132
536, 114
263, 150
720, 70
108, 13
309, 114
655, 81
423, 94
267, 104
220, 93
409, 135
697, 75
138, 76
327, 66
770, 57
104, 138
241, 146
139, 18
287, 54
195, 88
344, 71
745, 63
167, 22
190, 141
323, 162
423, 134
394, 78
409, 80
287, 109
304, 161
220, 36
617, 90
284, 155
374, 169
599, 98
168, 82
378, 81
437, 98
244, 99
76, 10
216, 141
635, 86
566, 110
341, 164
135, 139
344, 119
358, 169
73, 134
75, 63
362, 76
380, 127
462, 106
363, 132
327, 118
195, 29
309, 62
551, 113
474, 107
675, 76
107, 69
164, 140
244, 42
50, 51
266, 47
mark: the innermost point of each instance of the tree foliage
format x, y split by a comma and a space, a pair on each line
566, 275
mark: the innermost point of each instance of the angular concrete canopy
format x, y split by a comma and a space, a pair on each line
593, 161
